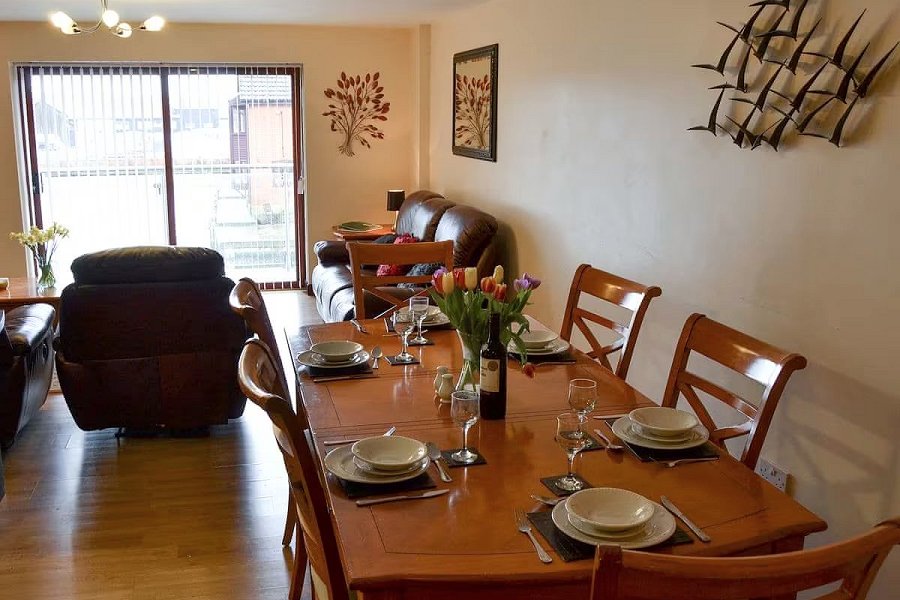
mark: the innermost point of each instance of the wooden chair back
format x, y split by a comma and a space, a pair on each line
258, 378
765, 364
362, 253
621, 574
246, 300
616, 290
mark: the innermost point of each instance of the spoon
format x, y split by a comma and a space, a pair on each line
434, 453
609, 445
376, 354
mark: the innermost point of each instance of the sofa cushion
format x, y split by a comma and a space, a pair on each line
332, 252
148, 264
26, 326
420, 214
470, 229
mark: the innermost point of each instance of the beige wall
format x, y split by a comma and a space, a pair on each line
799, 248
339, 188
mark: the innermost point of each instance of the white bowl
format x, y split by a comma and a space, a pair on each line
663, 422
610, 509
391, 453
337, 351
535, 340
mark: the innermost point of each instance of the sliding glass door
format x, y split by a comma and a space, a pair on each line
191, 155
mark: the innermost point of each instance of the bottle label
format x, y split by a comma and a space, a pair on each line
490, 375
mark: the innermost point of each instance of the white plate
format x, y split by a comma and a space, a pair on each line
638, 430
389, 453
557, 347
657, 530
609, 509
624, 429
382, 474
311, 359
609, 535
662, 421
340, 462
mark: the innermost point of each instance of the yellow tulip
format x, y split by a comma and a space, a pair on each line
447, 283
498, 274
471, 278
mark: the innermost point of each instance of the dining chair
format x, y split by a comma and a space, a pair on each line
854, 563
365, 281
765, 364
258, 378
616, 290
246, 300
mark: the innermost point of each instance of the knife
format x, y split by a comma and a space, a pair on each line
343, 377
359, 326
674, 509
604, 417
430, 494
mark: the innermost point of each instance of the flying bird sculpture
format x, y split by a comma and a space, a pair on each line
713, 117
837, 59
785, 4
719, 67
763, 46
760, 102
863, 89
849, 77
803, 124
838, 127
794, 30
794, 61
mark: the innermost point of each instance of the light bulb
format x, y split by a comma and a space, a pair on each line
154, 23
70, 30
110, 18
61, 20
123, 30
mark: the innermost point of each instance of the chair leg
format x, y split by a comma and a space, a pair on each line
290, 523
298, 573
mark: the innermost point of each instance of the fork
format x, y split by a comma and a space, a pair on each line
525, 527
546, 500
675, 463
608, 442
359, 326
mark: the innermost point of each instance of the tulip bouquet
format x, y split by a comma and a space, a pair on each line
468, 303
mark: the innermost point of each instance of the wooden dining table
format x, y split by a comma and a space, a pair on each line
466, 541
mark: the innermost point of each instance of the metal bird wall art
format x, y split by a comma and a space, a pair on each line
779, 91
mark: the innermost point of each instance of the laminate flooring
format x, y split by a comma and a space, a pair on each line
88, 516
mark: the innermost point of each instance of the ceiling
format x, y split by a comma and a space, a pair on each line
345, 12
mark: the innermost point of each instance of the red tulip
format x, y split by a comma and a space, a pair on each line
459, 278
500, 292
488, 285
528, 369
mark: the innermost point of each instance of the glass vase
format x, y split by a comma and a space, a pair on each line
471, 350
46, 278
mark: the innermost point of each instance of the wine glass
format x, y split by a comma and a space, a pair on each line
582, 396
403, 325
571, 438
464, 410
418, 306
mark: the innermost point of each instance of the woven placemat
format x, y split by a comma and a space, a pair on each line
570, 549
355, 490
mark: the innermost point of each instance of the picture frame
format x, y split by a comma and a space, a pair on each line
474, 127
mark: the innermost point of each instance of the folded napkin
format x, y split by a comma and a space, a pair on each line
570, 549
355, 490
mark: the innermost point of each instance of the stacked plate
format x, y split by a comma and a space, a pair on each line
337, 354
541, 343
661, 428
434, 317
612, 516
379, 460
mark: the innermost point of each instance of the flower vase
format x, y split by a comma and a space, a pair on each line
471, 351
46, 279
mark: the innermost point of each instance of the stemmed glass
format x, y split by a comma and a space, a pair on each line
403, 325
418, 306
464, 410
582, 396
571, 438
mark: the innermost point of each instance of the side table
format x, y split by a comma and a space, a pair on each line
23, 290
358, 236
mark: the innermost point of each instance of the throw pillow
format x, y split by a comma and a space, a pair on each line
420, 269
397, 270
385, 239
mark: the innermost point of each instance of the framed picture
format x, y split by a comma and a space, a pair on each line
475, 103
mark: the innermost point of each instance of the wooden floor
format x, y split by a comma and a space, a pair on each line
89, 516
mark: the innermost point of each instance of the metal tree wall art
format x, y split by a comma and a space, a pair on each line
791, 87
358, 104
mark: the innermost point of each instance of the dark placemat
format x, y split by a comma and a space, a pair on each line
570, 549
707, 450
592, 445
550, 484
356, 490
427, 342
389, 327
454, 463
360, 369
565, 357
393, 361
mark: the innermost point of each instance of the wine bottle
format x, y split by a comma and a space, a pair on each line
493, 373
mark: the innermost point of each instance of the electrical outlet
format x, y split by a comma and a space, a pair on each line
772, 474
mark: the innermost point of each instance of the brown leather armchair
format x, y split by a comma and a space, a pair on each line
428, 216
26, 366
147, 339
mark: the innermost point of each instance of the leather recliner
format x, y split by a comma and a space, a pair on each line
147, 339
430, 218
26, 366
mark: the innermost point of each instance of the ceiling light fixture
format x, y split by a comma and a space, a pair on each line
109, 18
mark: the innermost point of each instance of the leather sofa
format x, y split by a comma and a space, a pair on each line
147, 339
26, 366
430, 218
